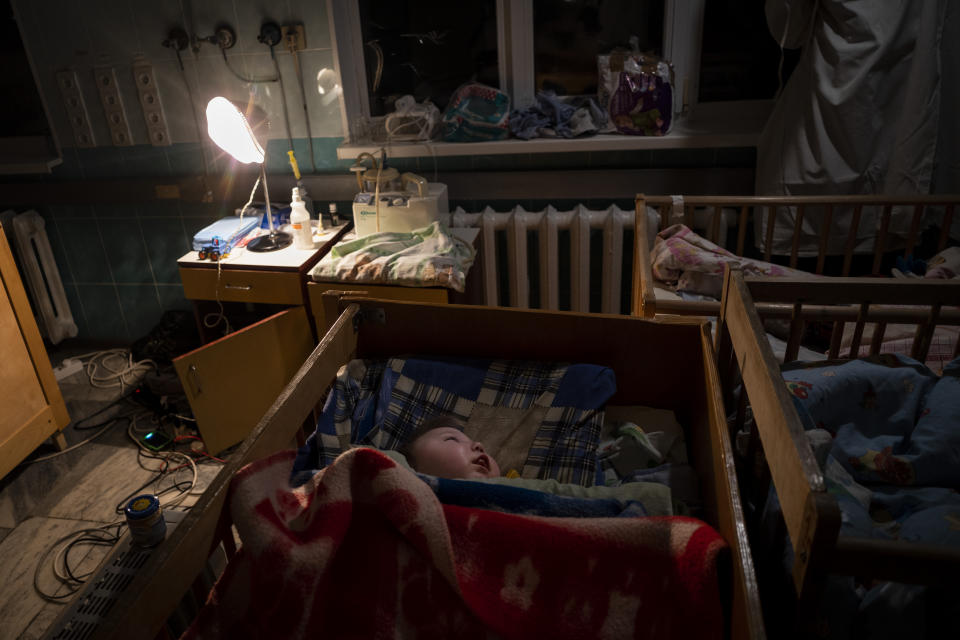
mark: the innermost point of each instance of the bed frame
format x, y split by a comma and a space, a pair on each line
667, 364
778, 450
645, 303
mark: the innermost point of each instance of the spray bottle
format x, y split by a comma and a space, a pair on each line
300, 221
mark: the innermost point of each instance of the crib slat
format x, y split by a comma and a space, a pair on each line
858, 330
881, 241
715, 227
580, 261
836, 337
914, 228
797, 227
796, 332
612, 261
689, 217
924, 335
824, 238
878, 330
768, 245
488, 222
549, 263
851, 240
517, 260
945, 228
742, 230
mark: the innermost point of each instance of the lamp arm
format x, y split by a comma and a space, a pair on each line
266, 195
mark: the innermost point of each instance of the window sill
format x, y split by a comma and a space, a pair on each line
689, 133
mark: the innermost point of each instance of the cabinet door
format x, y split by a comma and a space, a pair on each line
230, 383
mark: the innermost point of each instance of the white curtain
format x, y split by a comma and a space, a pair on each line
871, 108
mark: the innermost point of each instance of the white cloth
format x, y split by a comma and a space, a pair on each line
866, 111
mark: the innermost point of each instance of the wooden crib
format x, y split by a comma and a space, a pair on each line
667, 364
743, 210
778, 450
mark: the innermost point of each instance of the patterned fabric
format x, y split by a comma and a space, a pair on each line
377, 403
694, 264
366, 550
427, 257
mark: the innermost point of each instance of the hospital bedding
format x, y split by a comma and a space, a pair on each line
886, 433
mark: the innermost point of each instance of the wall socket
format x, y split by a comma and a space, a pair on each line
294, 38
149, 95
76, 108
106, 81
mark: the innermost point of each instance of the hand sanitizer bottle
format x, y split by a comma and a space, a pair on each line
300, 221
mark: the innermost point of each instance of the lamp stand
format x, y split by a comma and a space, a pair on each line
275, 239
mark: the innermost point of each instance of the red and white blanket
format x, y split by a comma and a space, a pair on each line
366, 550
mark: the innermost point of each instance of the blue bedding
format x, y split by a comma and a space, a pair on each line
378, 402
886, 431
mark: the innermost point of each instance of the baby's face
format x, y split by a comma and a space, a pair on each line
449, 453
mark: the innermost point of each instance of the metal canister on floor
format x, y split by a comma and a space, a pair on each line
145, 519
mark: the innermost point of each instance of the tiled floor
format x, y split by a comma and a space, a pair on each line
43, 501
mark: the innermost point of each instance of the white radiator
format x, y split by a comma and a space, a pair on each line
547, 224
43, 278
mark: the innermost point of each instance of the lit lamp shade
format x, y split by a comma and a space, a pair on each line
229, 129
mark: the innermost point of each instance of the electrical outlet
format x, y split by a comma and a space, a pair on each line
113, 106
149, 95
293, 37
76, 108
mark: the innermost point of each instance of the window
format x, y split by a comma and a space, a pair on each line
721, 52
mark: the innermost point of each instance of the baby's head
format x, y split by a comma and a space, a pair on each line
439, 447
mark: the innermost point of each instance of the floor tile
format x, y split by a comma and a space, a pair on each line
19, 553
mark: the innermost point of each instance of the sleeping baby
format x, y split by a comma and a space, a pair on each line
439, 447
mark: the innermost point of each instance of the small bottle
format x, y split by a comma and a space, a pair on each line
334, 218
300, 221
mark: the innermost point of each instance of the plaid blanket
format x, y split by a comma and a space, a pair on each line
365, 549
377, 403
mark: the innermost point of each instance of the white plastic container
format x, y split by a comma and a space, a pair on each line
300, 221
401, 211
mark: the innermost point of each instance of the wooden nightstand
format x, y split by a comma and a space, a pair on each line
231, 381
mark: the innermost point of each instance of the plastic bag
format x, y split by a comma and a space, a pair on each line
635, 90
476, 113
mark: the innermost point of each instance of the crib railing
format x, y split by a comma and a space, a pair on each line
547, 225
894, 222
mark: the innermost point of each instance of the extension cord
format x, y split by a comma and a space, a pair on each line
67, 368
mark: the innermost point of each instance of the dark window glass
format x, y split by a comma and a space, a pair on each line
568, 36
427, 48
739, 57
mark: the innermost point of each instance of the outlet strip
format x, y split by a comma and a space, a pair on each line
150, 103
113, 106
67, 368
76, 108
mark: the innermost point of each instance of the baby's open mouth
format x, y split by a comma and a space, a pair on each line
482, 461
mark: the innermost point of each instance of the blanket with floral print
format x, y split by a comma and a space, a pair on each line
366, 549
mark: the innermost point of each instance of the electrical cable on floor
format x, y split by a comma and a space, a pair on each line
73, 584
306, 112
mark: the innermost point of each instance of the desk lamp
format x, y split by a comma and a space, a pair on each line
230, 130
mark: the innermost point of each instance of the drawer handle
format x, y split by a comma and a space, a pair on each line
241, 287
194, 375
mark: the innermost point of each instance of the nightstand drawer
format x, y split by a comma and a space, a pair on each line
269, 287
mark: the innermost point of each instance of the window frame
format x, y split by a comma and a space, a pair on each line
718, 124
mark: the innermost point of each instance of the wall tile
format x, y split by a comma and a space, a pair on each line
144, 160
69, 168
70, 211
313, 15
101, 162
102, 308
59, 253
158, 209
76, 309
171, 297
141, 308
126, 251
152, 22
166, 243
84, 251
185, 158
113, 211
325, 150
